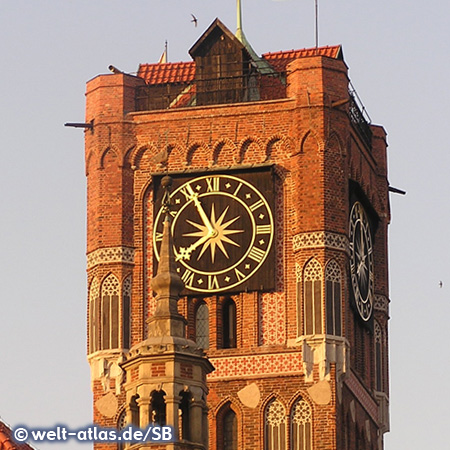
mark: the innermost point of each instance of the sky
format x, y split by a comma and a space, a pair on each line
398, 57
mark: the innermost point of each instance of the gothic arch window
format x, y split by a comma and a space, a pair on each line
301, 425
110, 312
202, 325
158, 408
229, 323
230, 432
333, 280
126, 311
312, 298
184, 415
275, 426
94, 316
378, 335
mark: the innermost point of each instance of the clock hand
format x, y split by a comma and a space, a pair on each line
202, 214
185, 253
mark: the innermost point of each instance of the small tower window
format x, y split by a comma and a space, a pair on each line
94, 316
229, 323
333, 298
110, 313
275, 426
230, 430
126, 305
184, 408
202, 326
158, 408
378, 356
301, 420
312, 293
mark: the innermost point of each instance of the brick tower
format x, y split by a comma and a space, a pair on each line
279, 216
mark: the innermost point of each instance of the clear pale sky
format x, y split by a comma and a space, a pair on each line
398, 56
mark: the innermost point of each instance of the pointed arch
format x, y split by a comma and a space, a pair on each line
229, 323
197, 155
202, 325
110, 153
379, 355
310, 142
126, 312
176, 154
244, 155
312, 298
275, 145
301, 425
224, 151
110, 292
94, 316
227, 427
333, 298
274, 425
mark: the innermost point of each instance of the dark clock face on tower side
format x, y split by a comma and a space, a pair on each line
223, 231
361, 261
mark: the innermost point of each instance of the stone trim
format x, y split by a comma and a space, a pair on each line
256, 365
363, 397
110, 255
319, 239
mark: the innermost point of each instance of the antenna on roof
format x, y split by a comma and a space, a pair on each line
317, 22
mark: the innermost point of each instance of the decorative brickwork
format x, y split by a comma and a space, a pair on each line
257, 365
272, 328
110, 255
319, 239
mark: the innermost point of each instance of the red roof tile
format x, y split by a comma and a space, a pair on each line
279, 60
7, 442
181, 72
184, 72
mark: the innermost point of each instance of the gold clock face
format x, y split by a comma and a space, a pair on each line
361, 261
223, 231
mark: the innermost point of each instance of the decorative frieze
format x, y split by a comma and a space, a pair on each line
318, 239
110, 255
256, 365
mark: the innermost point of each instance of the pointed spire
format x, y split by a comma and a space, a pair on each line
262, 65
167, 283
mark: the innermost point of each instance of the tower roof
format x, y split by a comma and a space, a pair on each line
184, 72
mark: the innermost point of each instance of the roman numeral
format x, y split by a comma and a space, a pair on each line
212, 184
239, 275
187, 191
263, 229
188, 277
237, 189
256, 254
256, 205
158, 236
212, 282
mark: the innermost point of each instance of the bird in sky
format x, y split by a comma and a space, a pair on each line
441, 284
194, 19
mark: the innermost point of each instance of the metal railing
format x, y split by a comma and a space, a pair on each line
359, 117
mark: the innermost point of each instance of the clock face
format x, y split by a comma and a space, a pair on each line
223, 231
361, 261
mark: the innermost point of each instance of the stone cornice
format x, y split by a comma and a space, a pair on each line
320, 239
109, 255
